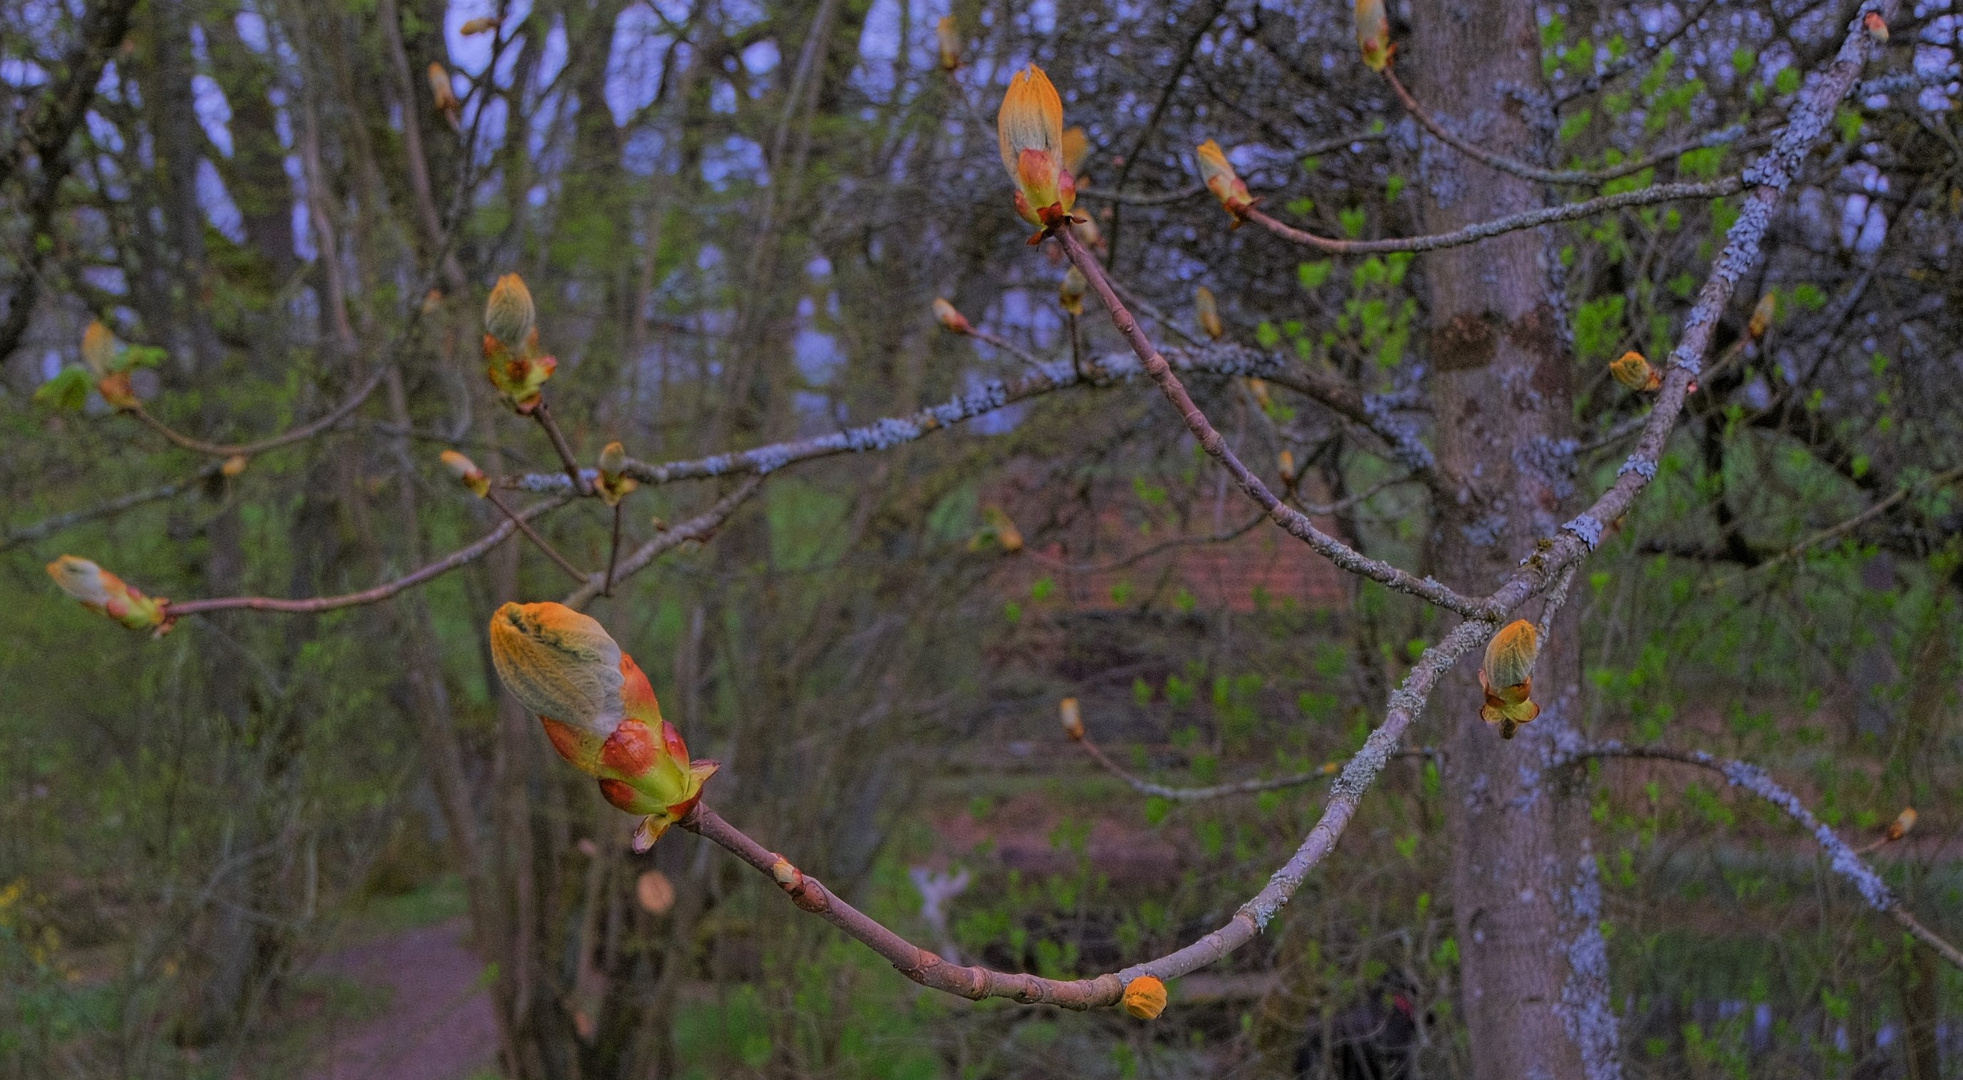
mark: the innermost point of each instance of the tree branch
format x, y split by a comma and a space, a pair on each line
699, 528
292, 435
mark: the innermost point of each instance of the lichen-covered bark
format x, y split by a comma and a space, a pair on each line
1534, 968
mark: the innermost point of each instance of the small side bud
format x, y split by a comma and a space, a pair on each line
1903, 822
1762, 315
614, 485
442, 97
1145, 997
1877, 27
948, 33
1070, 292
480, 25
99, 590
1373, 34
234, 465
1207, 310
1635, 372
467, 473
950, 319
1002, 528
655, 892
1259, 388
1224, 182
1285, 465
1073, 717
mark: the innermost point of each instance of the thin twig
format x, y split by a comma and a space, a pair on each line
1296, 523
1482, 230
613, 550
532, 535
1840, 529
543, 414
698, 528
377, 594
49, 526
1003, 344
1222, 791
304, 431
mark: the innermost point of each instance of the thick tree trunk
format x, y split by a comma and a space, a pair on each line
1534, 970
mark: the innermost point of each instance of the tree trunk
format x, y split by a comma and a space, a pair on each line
1525, 896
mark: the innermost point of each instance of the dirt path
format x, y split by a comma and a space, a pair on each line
437, 1024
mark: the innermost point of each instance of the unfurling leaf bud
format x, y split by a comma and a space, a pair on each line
467, 473
1070, 293
100, 350
949, 34
510, 315
234, 465
599, 712
1073, 717
1506, 676
1003, 528
1762, 315
100, 590
479, 25
950, 319
1029, 133
1208, 312
1285, 465
1223, 181
1511, 653
1877, 27
614, 486
1635, 372
1903, 822
1145, 997
1373, 34
442, 97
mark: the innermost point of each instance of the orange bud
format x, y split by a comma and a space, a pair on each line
599, 712
443, 98
1004, 528
1330, 768
614, 486
1070, 293
655, 892
116, 389
100, 349
509, 313
1145, 997
1632, 370
100, 590
234, 465
1208, 312
1285, 465
1073, 717
1877, 27
432, 301
1029, 132
1762, 315
1223, 181
1259, 388
1903, 822
1511, 653
479, 25
951, 320
467, 473
949, 33
1373, 34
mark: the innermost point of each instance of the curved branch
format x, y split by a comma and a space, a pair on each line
49, 526
461, 556
928, 969
292, 435
1529, 219
1296, 523
1201, 794
1844, 527
1843, 859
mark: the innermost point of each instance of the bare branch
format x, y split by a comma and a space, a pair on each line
1296, 523
1844, 527
532, 535
1529, 219
367, 596
285, 438
49, 526
698, 528
1841, 858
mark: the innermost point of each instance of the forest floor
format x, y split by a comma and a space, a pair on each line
405, 1003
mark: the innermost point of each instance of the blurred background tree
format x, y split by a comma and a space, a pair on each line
735, 217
